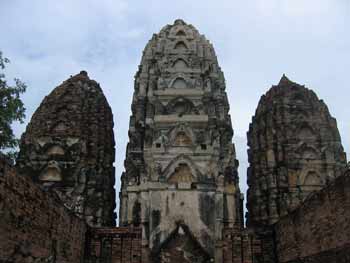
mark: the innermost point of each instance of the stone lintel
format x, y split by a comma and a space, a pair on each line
179, 92
177, 119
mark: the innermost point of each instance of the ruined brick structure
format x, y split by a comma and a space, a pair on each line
294, 149
318, 231
68, 148
179, 199
241, 246
34, 225
180, 184
113, 245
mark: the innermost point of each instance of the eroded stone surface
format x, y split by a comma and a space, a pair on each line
180, 165
319, 229
294, 149
114, 245
68, 148
34, 225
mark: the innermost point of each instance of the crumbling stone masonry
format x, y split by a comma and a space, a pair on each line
241, 246
68, 148
113, 245
319, 230
294, 149
180, 183
34, 225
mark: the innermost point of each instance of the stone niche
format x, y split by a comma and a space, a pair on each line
182, 139
182, 174
52, 173
179, 83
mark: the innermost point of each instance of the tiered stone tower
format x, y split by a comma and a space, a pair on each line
294, 149
180, 182
68, 148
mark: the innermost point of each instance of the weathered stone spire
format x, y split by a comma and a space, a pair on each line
294, 149
180, 175
285, 81
68, 148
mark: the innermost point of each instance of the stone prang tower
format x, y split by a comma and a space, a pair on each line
294, 149
180, 182
68, 149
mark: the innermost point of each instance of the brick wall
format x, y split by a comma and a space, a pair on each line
34, 226
113, 245
240, 246
318, 231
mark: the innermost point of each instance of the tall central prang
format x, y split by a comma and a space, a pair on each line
180, 182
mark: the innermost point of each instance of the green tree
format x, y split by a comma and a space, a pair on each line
11, 109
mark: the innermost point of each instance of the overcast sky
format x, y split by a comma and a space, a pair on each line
256, 42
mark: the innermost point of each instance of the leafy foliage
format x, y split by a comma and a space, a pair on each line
11, 109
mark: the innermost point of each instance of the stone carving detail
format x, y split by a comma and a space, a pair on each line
174, 160
181, 106
182, 174
179, 83
294, 149
180, 65
52, 173
181, 135
68, 148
